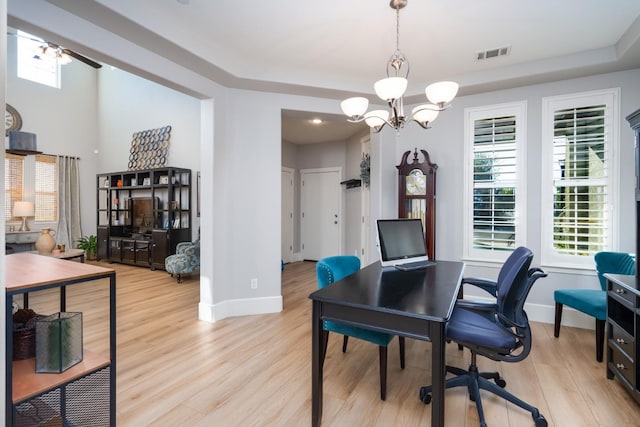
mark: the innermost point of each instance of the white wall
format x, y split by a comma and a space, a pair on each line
3, 77
344, 154
65, 121
445, 143
242, 159
353, 197
128, 104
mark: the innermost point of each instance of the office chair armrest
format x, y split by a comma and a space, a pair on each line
486, 285
537, 271
476, 305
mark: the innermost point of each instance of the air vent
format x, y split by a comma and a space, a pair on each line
493, 53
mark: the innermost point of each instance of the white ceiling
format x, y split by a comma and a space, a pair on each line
337, 48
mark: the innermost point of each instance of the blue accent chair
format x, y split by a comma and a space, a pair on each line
594, 301
497, 331
332, 269
186, 260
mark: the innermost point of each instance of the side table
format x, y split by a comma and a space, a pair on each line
68, 254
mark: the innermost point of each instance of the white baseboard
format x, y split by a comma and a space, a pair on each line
245, 307
239, 307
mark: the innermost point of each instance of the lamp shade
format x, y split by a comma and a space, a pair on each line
425, 113
24, 209
441, 92
376, 118
354, 107
390, 88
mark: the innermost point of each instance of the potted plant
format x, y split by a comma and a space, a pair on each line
90, 245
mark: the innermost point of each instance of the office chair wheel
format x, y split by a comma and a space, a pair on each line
425, 397
539, 419
501, 383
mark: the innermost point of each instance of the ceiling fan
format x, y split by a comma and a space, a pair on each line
62, 54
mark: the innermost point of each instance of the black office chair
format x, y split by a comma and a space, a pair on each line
497, 331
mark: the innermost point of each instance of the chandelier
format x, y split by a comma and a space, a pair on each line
391, 90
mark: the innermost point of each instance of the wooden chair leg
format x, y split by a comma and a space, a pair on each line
556, 325
599, 339
344, 343
383, 373
401, 343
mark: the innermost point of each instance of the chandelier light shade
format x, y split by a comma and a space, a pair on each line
441, 93
355, 107
392, 89
377, 118
425, 113
24, 210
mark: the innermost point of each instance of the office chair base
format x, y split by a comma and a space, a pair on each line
475, 381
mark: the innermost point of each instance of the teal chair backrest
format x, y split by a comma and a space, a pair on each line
332, 269
613, 262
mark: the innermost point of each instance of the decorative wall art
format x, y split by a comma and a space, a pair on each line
365, 169
149, 148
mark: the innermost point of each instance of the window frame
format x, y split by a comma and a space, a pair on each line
30, 66
517, 109
611, 99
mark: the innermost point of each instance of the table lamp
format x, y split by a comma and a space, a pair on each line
24, 210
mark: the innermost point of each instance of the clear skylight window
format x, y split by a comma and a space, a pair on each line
34, 66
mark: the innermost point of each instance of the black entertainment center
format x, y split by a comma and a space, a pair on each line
142, 215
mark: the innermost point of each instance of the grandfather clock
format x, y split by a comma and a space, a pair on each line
417, 194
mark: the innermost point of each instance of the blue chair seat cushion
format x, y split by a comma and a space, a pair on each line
590, 301
471, 328
378, 338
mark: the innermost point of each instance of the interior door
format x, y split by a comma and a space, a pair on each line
287, 215
321, 222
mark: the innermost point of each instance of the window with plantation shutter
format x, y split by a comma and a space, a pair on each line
46, 187
494, 141
578, 148
13, 183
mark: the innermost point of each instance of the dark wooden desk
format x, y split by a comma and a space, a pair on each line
414, 304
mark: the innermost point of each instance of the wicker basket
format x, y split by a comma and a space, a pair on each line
24, 343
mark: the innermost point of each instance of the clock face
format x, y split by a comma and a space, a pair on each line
416, 184
12, 119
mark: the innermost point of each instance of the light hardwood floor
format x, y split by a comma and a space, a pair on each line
173, 370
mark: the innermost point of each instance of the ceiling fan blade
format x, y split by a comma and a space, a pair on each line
81, 58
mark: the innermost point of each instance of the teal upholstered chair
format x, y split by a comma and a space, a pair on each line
594, 301
332, 269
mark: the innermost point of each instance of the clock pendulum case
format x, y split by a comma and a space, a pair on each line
417, 194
